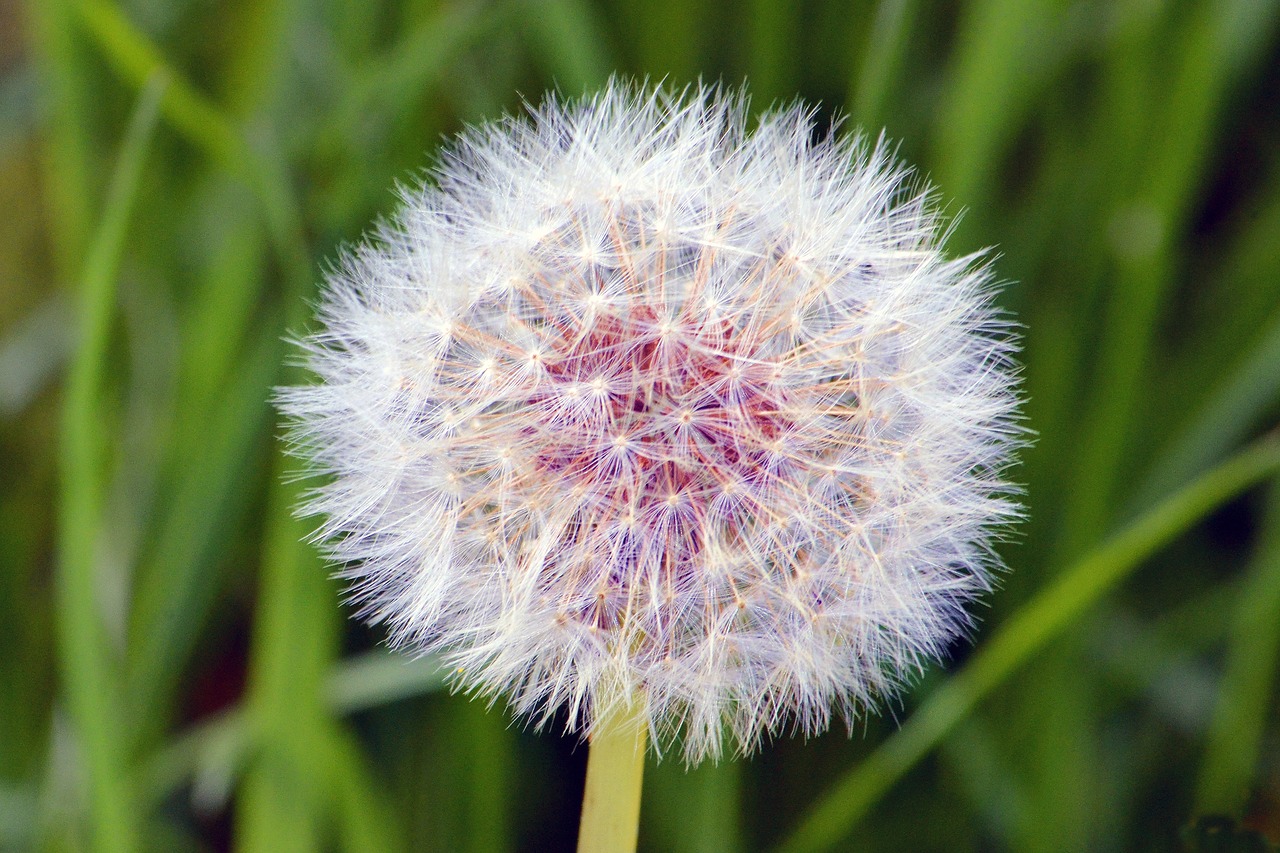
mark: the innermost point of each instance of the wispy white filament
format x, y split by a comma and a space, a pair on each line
633, 401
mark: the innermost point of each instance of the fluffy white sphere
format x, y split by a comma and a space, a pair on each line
635, 402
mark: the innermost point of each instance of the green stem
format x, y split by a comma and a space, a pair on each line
611, 801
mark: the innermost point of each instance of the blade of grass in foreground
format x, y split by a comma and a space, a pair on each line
998, 64
68, 163
178, 584
1230, 410
879, 69
1235, 736
772, 32
1027, 632
570, 41
283, 803
365, 821
207, 127
394, 81
88, 666
287, 797
693, 810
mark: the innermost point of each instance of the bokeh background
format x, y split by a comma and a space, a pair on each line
177, 671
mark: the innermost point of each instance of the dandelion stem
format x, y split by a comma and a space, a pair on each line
611, 801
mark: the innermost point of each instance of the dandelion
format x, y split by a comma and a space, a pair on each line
638, 412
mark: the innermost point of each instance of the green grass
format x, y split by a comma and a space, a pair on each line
178, 669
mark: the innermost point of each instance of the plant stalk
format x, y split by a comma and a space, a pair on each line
611, 800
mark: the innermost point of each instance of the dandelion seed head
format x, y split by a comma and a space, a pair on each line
634, 402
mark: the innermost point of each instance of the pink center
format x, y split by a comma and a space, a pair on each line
668, 435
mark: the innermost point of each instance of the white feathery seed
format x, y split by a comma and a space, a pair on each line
634, 402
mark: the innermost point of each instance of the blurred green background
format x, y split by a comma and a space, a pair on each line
176, 670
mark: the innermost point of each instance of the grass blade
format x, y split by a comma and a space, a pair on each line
295, 640
1244, 698
197, 118
179, 583
69, 164
90, 672
886, 45
1226, 417
570, 40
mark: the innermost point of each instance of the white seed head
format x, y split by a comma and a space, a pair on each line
635, 404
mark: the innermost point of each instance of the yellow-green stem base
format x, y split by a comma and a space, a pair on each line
611, 800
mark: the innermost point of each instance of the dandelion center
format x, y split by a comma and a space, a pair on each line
666, 425
683, 410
